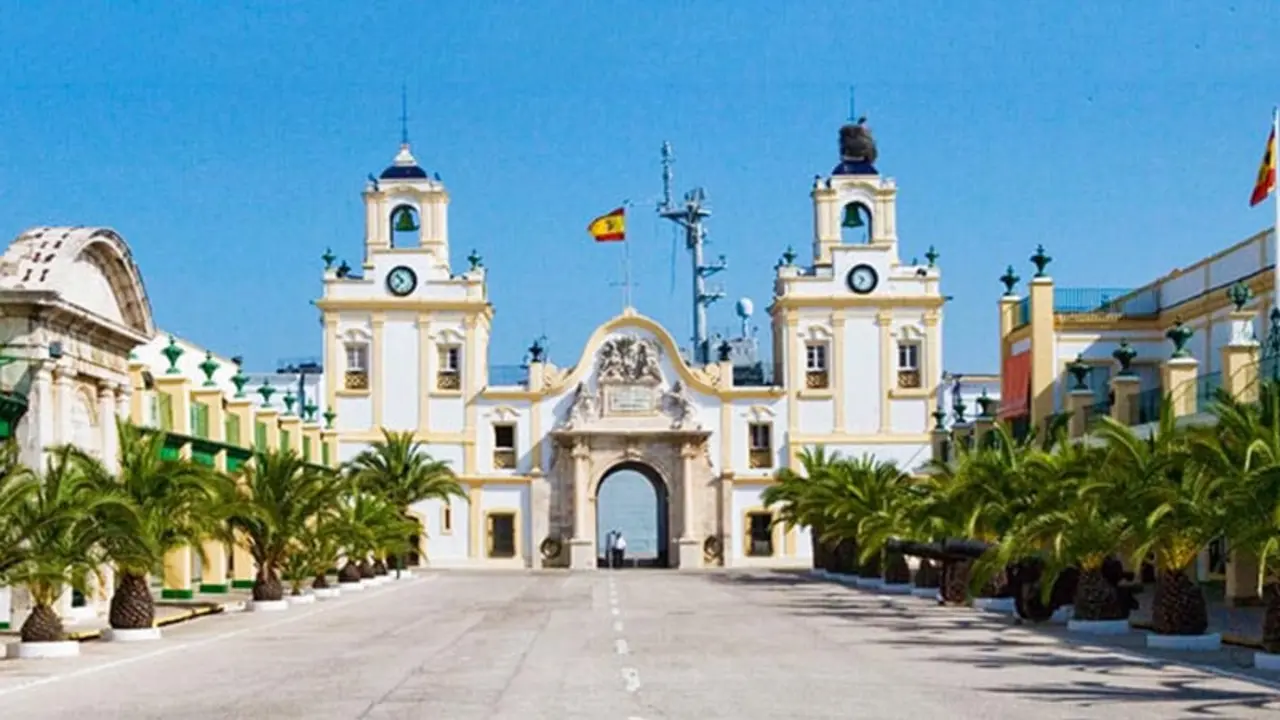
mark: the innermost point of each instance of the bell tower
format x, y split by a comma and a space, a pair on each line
406, 208
855, 205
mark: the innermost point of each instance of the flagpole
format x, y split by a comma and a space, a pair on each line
626, 263
1275, 229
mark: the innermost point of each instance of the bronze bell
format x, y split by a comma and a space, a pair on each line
405, 221
852, 218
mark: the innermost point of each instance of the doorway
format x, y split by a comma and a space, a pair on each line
633, 499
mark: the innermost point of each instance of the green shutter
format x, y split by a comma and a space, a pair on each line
204, 454
284, 439
260, 436
172, 449
200, 420
236, 459
306, 448
233, 430
164, 411
324, 454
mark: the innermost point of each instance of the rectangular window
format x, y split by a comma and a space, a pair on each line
760, 445
759, 540
449, 371
502, 535
357, 375
232, 430
285, 440
260, 436
306, 448
909, 365
324, 454
504, 447
816, 376
199, 420
164, 407
446, 519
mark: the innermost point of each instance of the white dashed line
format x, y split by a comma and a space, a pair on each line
615, 610
620, 646
617, 626
631, 678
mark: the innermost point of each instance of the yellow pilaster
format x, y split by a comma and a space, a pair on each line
334, 363
242, 565
1125, 407
1043, 363
178, 563
424, 373
138, 399
213, 575
377, 388
1240, 358
269, 417
311, 434
470, 412
475, 519
1078, 404
290, 433
1179, 381
794, 368
884, 321
835, 370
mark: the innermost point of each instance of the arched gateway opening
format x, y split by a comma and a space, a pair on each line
632, 498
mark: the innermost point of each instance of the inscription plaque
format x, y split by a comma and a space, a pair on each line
629, 399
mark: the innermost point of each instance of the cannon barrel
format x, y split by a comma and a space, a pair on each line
968, 549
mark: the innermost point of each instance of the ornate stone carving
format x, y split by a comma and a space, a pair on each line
683, 410
629, 359
585, 407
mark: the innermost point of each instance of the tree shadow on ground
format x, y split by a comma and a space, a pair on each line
1000, 643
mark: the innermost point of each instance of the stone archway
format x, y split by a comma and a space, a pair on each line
658, 510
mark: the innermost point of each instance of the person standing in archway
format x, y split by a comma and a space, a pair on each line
619, 549
609, 538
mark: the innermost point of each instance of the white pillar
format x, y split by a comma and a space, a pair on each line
107, 413
124, 401
40, 416
64, 393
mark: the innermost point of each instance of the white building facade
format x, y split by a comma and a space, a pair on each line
857, 362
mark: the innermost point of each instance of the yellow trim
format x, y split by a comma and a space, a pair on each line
438, 438
920, 393
726, 437
393, 304
835, 372
820, 394
884, 321
331, 344
424, 373
344, 393
851, 439
535, 437
876, 302
515, 528
376, 387
467, 365
474, 497
774, 544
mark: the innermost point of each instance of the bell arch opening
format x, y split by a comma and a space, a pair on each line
632, 498
855, 224
404, 226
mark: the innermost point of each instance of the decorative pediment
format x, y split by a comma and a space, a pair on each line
504, 413
629, 359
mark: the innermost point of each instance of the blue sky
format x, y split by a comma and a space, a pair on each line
230, 141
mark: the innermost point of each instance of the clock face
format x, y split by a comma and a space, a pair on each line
863, 279
402, 280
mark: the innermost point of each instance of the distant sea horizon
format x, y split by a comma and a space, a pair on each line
627, 502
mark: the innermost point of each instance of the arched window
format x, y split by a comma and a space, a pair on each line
855, 224
404, 226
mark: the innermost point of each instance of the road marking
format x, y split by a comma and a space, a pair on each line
615, 610
632, 679
617, 626
82, 672
620, 646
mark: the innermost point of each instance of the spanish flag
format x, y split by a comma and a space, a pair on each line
1267, 173
611, 227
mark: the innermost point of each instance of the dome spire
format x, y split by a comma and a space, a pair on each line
404, 116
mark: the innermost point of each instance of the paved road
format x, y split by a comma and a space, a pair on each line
618, 646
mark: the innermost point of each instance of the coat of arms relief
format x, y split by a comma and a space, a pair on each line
628, 377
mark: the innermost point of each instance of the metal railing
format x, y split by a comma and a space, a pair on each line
1147, 406
1207, 387
1122, 301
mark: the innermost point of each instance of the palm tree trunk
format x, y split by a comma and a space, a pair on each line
955, 581
267, 585
321, 582
350, 573
132, 607
1097, 598
1178, 607
379, 567
42, 625
366, 569
1271, 618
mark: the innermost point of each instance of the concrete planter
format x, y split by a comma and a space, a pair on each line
850, 580
81, 614
925, 592
900, 589
404, 575
873, 583
1099, 627
1004, 606
268, 605
1207, 642
329, 593
818, 573
129, 635
304, 599
1063, 615
352, 587
44, 650
1266, 661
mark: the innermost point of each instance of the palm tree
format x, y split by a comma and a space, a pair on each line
1175, 505
55, 515
369, 524
17, 483
802, 500
869, 509
398, 468
1245, 451
280, 495
166, 505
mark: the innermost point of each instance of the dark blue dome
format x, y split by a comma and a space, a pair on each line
403, 172
855, 168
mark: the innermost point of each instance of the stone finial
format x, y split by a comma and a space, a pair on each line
172, 352
1124, 354
1079, 370
1179, 334
1040, 260
266, 391
209, 366
1010, 279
